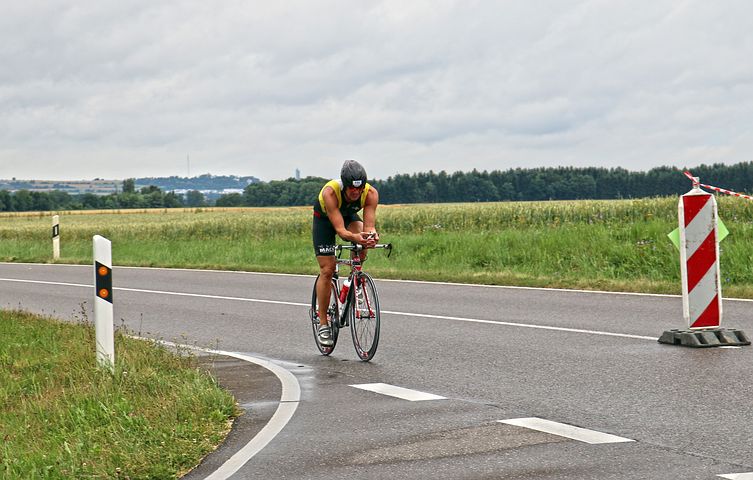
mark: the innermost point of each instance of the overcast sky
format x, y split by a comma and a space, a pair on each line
115, 89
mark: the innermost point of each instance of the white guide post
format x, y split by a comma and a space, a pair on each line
55, 237
103, 318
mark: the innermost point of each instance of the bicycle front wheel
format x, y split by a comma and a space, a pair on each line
364, 317
332, 313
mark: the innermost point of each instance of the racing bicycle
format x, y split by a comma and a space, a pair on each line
353, 302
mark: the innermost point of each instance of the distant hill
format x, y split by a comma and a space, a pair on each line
205, 183
73, 187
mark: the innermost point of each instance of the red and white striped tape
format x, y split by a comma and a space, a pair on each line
699, 259
717, 189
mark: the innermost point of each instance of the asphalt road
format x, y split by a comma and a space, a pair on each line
588, 360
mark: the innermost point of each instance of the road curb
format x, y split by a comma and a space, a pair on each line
257, 392
286, 405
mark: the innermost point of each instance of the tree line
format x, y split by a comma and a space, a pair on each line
561, 183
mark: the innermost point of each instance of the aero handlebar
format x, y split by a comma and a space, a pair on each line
357, 247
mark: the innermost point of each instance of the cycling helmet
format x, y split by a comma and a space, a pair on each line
353, 174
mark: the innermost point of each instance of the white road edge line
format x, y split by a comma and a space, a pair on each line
399, 392
405, 314
289, 400
565, 430
738, 476
158, 292
524, 325
475, 285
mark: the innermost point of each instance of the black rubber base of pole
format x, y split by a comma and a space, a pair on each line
713, 337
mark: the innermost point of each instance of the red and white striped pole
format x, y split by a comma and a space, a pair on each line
699, 259
699, 263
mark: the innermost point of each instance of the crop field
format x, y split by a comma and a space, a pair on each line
605, 245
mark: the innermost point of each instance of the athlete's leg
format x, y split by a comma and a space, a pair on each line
323, 234
324, 285
356, 226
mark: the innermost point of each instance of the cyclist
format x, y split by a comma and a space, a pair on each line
336, 213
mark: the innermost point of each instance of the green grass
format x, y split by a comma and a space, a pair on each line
63, 417
616, 245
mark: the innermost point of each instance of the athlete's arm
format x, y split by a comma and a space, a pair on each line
369, 213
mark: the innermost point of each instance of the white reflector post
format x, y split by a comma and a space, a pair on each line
103, 324
55, 237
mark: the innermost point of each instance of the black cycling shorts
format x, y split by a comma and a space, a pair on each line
324, 234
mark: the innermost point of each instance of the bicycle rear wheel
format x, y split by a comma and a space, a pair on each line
332, 313
364, 317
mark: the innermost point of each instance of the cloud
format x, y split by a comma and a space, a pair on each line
113, 89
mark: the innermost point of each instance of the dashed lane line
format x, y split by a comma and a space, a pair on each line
399, 392
738, 476
565, 430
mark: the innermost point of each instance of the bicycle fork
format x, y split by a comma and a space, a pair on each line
363, 308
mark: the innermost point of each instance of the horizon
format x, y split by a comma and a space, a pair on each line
84, 180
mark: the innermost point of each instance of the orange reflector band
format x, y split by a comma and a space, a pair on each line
103, 278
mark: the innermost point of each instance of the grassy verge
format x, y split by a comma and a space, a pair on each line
615, 245
62, 417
